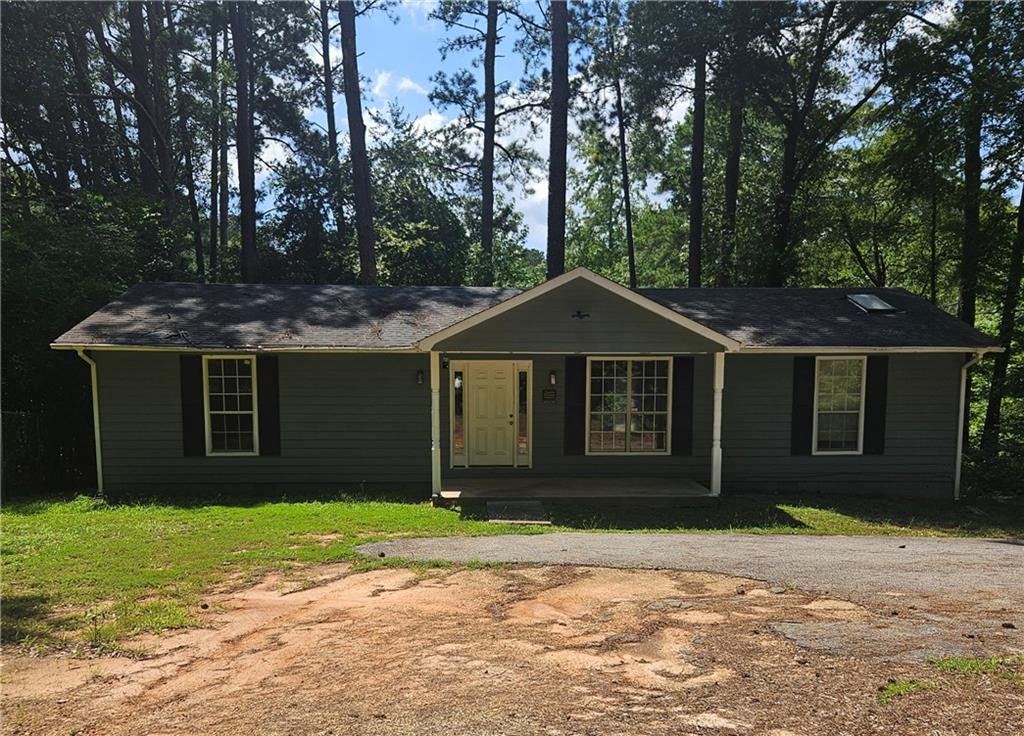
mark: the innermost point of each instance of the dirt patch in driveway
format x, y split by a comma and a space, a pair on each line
556, 650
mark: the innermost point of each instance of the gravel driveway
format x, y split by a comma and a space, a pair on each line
857, 567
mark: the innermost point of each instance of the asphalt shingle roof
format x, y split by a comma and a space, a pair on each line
379, 317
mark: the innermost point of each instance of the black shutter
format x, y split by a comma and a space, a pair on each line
193, 421
876, 391
682, 405
269, 405
575, 404
802, 425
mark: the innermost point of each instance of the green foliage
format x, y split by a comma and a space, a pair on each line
1006, 667
898, 688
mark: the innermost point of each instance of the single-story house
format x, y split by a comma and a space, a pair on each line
579, 383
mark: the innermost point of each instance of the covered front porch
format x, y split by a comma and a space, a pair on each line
577, 389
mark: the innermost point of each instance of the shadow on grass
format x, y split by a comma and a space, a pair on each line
24, 618
771, 513
625, 515
25, 505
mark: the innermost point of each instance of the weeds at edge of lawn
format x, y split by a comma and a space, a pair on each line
1004, 667
898, 688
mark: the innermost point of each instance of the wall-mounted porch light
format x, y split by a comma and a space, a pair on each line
419, 377
552, 378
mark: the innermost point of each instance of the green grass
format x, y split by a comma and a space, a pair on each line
898, 688
1010, 668
108, 572
767, 514
83, 570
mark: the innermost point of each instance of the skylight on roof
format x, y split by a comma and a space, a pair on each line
871, 304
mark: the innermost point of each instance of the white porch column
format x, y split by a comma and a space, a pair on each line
435, 422
716, 426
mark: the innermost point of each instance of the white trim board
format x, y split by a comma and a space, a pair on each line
650, 305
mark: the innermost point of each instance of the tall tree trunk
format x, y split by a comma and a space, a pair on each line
779, 265
1007, 328
620, 120
158, 48
98, 159
143, 98
241, 30
224, 188
627, 199
697, 170
182, 114
559, 137
124, 150
357, 146
215, 138
732, 184
332, 127
486, 275
980, 20
933, 234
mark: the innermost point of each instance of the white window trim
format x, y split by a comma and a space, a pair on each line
463, 366
860, 414
586, 413
210, 452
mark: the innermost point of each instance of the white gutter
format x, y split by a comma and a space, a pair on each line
95, 417
960, 423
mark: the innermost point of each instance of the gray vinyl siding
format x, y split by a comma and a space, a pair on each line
545, 325
920, 441
549, 458
350, 419
345, 420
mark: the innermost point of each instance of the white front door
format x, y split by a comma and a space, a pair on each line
490, 412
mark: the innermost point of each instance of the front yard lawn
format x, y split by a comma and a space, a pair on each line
84, 571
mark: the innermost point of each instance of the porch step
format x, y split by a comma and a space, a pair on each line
517, 512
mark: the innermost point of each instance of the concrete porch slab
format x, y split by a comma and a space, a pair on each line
538, 487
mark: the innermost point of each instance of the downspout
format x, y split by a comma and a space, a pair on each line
95, 416
960, 425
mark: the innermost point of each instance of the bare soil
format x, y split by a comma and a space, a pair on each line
528, 650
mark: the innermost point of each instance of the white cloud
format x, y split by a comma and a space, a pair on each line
407, 85
419, 11
429, 122
381, 82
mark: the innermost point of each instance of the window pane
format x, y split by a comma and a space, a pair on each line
458, 429
523, 438
628, 405
231, 404
839, 404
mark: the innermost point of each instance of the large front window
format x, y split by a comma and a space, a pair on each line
629, 400
230, 395
839, 405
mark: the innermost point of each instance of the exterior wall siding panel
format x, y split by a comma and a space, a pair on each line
350, 419
345, 420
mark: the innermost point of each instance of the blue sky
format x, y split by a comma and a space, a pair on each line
397, 60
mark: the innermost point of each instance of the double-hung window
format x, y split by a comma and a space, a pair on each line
628, 405
839, 405
229, 396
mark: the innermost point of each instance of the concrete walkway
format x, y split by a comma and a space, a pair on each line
857, 567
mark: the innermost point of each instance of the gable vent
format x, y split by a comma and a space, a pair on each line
871, 304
